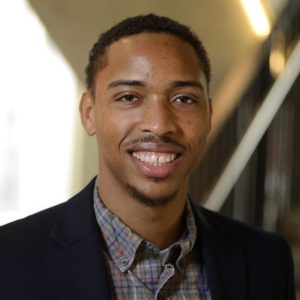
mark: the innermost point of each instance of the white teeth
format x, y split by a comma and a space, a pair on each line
153, 158
162, 159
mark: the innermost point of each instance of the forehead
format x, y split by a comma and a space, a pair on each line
152, 52
152, 42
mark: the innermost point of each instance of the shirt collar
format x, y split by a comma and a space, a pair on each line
185, 244
123, 244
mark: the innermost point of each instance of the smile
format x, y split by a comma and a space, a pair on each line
154, 158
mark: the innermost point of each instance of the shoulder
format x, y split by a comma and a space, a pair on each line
33, 232
29, 231
252, 238
263, 257
24, 246
29, 243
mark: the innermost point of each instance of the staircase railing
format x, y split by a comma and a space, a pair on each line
244, 150
255, 132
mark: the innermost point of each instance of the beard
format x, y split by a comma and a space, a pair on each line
150, 201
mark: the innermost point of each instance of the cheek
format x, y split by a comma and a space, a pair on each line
111, 131
105, 128
196, 131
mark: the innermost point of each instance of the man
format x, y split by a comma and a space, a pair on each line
133, 233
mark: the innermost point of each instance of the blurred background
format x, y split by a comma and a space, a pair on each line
251, 167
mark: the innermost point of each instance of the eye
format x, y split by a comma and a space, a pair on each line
184, 99
128, 98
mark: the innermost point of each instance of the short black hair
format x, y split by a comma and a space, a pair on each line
150, 23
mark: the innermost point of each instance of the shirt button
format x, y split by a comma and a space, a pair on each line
169, 269
124, 262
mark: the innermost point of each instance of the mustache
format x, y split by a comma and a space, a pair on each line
150, 138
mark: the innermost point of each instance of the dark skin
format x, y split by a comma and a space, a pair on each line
151, 114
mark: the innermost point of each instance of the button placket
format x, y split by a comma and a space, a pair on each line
167, 273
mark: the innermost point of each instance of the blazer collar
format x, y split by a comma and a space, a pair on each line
78, 269
224, 259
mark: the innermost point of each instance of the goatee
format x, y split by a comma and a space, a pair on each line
151, 201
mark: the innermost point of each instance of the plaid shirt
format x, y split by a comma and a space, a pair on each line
140, 271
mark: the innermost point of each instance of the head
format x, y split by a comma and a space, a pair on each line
147, 102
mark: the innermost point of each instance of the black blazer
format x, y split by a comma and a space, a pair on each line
57, 254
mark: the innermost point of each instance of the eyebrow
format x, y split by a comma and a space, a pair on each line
174, 84
126, 83
189, 83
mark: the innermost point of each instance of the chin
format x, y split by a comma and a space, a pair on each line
151, 199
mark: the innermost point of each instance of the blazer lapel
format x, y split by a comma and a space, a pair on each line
78, 268
79, 271
224, 260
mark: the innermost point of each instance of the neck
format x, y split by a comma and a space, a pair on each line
160, 225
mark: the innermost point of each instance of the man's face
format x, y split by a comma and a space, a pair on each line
151, 115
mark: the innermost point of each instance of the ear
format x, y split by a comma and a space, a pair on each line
210, 107
87, 113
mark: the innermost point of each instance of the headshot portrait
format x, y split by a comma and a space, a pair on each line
180, 177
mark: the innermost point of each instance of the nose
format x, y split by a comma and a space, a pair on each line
159, 118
